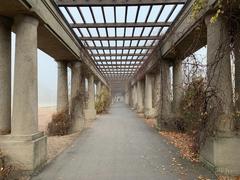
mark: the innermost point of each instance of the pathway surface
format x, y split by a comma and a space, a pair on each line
120, 146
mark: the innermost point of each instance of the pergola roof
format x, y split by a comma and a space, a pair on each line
120, 34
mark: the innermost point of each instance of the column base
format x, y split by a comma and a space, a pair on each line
90, 114
140, 109
27, 152
150, 113
221, 155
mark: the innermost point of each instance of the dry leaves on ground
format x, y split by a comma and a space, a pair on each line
182, 141
151, 122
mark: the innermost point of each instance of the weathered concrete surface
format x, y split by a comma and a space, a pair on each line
220, 152
25, 96
219, 74
90, 112
165, 103
62, 87
177, 85
77, 99
120, 146
149, 111
140, 106
25, 146
5, 75
222, 155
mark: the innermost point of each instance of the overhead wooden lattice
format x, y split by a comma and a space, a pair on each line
120, 34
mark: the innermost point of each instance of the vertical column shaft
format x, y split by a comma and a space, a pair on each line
99, 88
62, 87
5, 75
91, 101
165, 103
148, 92
76, 98
139, 97
25, 98
237, 71
219, 74
177, 85
135, 96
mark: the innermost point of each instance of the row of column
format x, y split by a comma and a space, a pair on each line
153, 94
20, 137
77, 108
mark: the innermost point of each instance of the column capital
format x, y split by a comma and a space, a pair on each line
22, 18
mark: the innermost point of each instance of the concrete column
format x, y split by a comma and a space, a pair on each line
25, 146
236, 51
62, 87
177, 85
156, 91
135, 96
25, 97
5, 75
222, 150
77, 100
99, 88
140, 107
149, 112
219, 74
165, 91
90, 112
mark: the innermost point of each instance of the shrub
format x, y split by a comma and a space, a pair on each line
5, 169
103, 101
193, 112
60, 124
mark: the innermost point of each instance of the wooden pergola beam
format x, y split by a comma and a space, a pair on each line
120, 38
119, 47
117, 25
114, 54
116, 2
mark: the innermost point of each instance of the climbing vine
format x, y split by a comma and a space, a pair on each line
199, 5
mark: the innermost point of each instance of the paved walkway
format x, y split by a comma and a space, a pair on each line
120, 146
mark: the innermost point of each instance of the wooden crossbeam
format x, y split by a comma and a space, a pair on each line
120, 38
116, 2
119, 47
123, 25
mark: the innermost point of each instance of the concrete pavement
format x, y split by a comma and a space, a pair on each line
120, 146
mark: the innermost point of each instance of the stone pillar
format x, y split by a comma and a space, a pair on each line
77, 100
177, 85
90, 112
5, 75
26, 146
164, 111
62, 87
157, 92
222, 150
99, 88
219, 74
135, 96
140, 107
25, 95
149, 112
237, 75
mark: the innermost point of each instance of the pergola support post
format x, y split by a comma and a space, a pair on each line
5, 75
77, 99
90, 112
149, 111
220, 152
25, 145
